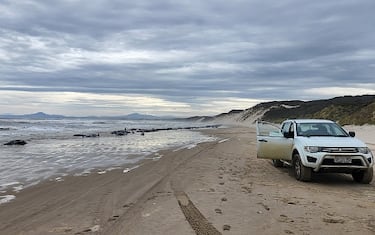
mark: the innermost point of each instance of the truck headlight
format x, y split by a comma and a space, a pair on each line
363, 150
312, 149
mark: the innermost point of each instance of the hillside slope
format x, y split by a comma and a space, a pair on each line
356, 110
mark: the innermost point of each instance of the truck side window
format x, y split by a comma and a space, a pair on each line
285, 127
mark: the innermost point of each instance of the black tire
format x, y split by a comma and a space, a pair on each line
363, 177
301, 172
277, 163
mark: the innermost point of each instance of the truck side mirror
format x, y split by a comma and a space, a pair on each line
288, 134
352, 133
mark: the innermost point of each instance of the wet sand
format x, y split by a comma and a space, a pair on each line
215, 188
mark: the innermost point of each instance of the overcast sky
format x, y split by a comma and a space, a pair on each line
184, 58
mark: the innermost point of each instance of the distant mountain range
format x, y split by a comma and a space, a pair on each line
355, 110
41, 115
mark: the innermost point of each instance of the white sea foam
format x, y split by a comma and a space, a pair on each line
190, 146
126, 170
86, 172
155, 157
9, 184
112, 168
18, 188
59, 179
224, 140
6, 198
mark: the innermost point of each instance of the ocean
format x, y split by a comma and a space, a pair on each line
52, 151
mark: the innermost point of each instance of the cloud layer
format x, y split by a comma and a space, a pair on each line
181, 57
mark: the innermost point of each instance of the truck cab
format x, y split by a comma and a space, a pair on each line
314, 145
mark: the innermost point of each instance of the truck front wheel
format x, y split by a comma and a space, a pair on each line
301, 172
364, 177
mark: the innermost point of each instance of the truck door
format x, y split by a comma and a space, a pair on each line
271, 143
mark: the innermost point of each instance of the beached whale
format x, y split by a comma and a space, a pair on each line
89, 135
16, 142
120, 132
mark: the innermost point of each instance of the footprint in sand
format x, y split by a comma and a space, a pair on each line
285, 219
218, 211
226, 227
94, 228
152, 197
246, 189
113, 218
288, 232
267, 208
128, 205
333, 220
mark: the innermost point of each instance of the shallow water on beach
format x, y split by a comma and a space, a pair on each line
53, 151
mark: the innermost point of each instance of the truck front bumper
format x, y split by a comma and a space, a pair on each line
342, 162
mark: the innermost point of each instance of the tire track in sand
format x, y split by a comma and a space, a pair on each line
195, 218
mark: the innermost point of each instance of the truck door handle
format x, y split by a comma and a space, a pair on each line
262, 140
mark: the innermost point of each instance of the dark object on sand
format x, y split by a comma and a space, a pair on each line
92, 135
88, 136
120, 132
226, 227
79, 135
143, 131
16, 142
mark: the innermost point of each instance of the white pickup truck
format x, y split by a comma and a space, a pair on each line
315, 145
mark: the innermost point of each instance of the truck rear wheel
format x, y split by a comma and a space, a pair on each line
364, 177
301, 172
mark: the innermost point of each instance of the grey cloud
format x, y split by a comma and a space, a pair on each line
186, 51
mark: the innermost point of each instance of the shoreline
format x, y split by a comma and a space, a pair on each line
49, 158
13, 188
49, 188
221, 183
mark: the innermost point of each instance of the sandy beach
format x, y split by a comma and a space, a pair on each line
217, 187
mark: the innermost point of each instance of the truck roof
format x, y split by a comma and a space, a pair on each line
310, 120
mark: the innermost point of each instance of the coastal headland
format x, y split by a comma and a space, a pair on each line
217, 187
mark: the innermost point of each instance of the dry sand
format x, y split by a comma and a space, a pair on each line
214, 188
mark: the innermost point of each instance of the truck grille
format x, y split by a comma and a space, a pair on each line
339, 150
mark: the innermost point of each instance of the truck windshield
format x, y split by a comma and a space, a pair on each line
320, 129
